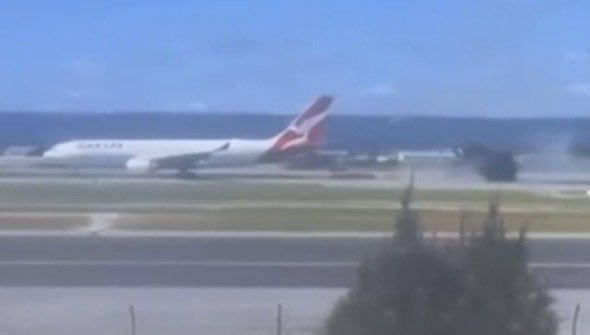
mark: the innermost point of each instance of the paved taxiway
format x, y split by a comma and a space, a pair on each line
230, 262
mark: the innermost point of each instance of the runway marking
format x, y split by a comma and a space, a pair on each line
188, 263
114, 232
99, 222
243, 264
561, 265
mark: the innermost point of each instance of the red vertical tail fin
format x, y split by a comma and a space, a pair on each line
306, 130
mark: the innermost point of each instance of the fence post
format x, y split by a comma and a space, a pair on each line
132, 319
575, 320
279, 319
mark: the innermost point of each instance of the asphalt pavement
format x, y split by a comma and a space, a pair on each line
231, 261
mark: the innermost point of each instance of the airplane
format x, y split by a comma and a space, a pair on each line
150, 155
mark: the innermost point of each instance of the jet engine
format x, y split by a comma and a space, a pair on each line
139, 165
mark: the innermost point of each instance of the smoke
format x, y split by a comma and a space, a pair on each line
553, 151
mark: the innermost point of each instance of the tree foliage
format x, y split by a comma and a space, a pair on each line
493, 165
417, 288
499, 166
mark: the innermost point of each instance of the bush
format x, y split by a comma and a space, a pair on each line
482, 286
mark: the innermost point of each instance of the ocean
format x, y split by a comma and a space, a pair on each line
343, 132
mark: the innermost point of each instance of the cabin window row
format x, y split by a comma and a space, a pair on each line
100, 146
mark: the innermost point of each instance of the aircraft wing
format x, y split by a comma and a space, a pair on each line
181, 160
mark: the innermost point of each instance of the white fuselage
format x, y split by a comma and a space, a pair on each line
117, 153
150, 155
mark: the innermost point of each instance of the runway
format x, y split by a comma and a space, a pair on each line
224, 262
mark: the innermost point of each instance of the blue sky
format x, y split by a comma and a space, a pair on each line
472, 57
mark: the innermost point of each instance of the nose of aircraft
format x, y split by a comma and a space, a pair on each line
52, 153
49, 153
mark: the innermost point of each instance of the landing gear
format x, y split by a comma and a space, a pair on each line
186, 174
